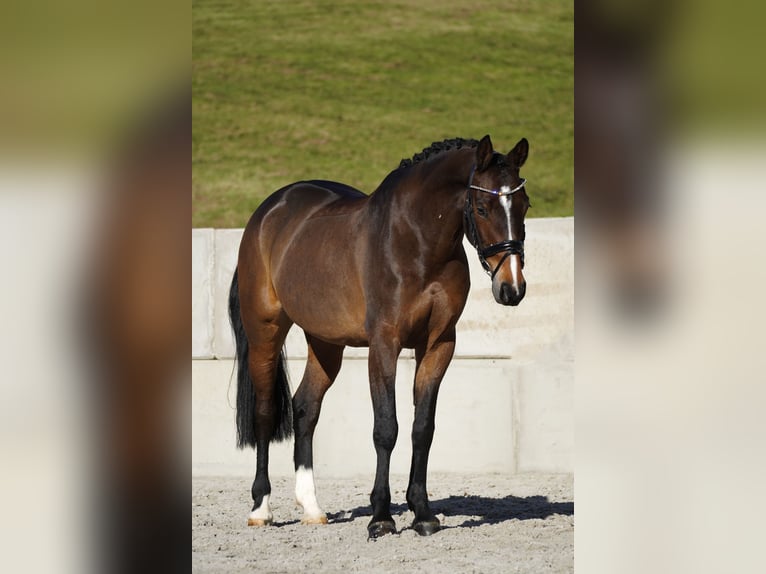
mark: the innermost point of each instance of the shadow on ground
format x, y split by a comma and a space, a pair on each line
481, 509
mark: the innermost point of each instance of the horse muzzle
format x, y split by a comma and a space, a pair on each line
508, 294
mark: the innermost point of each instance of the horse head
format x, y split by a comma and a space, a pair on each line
496, 204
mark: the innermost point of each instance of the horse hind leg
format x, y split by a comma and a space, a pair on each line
322, 367
264, 405
268, 370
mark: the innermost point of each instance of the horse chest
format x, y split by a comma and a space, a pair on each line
417, 313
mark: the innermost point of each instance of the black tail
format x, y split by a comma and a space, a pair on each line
246, 394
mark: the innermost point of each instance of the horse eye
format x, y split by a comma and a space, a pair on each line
481, 211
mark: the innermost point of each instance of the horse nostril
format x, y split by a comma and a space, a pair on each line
506, 293
509, 294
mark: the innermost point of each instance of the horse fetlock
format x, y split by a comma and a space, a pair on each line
261, 513
380, 499
305, 497
417, 499
312, 513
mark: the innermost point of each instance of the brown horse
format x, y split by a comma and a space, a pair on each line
387, 271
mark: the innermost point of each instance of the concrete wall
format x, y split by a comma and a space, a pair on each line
506, 403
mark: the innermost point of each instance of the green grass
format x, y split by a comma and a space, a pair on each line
343, 90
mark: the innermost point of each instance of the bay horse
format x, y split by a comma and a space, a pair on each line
387, 271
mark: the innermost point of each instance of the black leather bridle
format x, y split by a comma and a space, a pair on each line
509, 246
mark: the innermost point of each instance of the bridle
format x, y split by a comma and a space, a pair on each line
509, 246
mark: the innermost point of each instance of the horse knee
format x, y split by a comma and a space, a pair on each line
384, 434
423, 433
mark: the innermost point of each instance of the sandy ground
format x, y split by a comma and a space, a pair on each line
491, 523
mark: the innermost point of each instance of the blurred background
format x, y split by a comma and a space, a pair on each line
95, 175
669, 168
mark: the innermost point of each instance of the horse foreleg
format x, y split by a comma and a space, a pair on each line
382, 367
322, 367
431, 366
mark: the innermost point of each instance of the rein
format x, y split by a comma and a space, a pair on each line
509, 246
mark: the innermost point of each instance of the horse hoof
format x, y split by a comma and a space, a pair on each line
426, 527
381, 528
322, 519
259, 522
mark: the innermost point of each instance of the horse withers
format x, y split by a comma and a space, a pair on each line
387, 271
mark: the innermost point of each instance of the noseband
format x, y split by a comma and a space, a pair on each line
509, 246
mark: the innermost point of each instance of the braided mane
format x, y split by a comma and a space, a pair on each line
437, 148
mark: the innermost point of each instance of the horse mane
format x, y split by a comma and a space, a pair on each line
438, 147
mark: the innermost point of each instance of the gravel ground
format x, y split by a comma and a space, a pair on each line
491, 523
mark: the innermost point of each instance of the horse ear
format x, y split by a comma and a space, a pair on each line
484, 153
518, 155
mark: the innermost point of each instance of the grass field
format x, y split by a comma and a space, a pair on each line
343, 90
